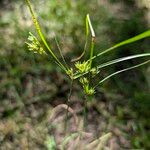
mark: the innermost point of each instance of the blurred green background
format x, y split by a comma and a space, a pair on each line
28, 79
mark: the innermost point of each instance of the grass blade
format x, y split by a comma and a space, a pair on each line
91, 52
90, 26
122, 59
123, 70
115, 61
87, 26
128, 41
60, 51
92, 40
86, 39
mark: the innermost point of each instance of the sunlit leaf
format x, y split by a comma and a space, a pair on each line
128, 41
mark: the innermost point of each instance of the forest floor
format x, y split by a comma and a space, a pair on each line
32, 124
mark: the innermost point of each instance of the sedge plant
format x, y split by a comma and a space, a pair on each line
83, 71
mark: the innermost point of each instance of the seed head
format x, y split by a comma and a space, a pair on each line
82, 66
34, 45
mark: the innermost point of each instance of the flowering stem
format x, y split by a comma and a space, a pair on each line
37, 26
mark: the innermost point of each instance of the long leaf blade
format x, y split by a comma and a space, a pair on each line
122, 59
116, 61
38, 28
90, 25
86, 40
123, 70
128, 41
86, 26
92, 40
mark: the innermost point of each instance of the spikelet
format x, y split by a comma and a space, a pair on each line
34, 45
82, 66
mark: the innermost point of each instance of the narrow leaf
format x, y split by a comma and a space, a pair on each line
90, 25
60, 51
120, 71
122, 59
115, 61
87, 26
128, 41
86, 40
91, 52
92, 41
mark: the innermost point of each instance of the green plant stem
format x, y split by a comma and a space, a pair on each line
90, 25
37, 26
128, 41
87, 20
78, 58
92, 40
92, 51
85, 111
61, 54
68, 101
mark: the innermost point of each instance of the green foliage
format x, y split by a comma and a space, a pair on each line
42, 36
86, 66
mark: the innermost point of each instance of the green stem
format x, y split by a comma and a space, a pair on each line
61, 54
37, 26
68, 101
128, 41
85, 112
91, 51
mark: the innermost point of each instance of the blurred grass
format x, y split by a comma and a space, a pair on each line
25, 76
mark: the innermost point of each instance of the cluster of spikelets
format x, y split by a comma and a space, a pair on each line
84, 71
85, 84
34, 44
81, 67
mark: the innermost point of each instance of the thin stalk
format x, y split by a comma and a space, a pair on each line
68, 101
92, 51
120, 71
61, 54
92, 40
78, 58
86, 39
90, 25
85, 111
92, 44
37, 26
